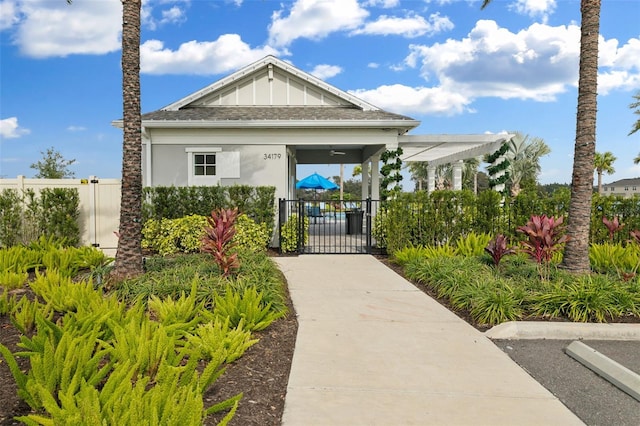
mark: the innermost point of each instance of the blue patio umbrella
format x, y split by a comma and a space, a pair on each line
315, 181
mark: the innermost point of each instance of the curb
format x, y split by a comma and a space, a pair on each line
563, 331
617, 374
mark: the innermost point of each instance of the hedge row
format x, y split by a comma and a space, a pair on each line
444, 216
26, 217
173, 202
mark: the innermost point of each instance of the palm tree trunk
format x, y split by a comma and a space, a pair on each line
600, 182
576, 254
129, 254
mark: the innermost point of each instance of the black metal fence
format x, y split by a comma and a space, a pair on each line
326, 227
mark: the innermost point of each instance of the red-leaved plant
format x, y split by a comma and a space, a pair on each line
218, 239
635, 236
613, 226
545, 237
498, 248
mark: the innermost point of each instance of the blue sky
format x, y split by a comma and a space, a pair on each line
458, 69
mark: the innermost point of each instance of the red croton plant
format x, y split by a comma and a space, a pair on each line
218, 239
545, 237
498, 248
613, 225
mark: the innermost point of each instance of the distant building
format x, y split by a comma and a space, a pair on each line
623, 187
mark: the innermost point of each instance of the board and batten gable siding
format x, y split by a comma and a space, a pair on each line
271, 87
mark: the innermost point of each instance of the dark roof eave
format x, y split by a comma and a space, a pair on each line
271, 124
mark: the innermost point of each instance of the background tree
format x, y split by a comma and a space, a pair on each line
470, 174
419, 174
524, 161
636, 105
576, 253
637, 159
603, 164
53, 166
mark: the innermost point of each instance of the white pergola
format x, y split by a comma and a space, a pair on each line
448, 149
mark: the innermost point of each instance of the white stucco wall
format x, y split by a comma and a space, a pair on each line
263, 152
260, 165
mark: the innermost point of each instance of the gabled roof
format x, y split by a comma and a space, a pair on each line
271, 93
624, 182
276, 117
268, 62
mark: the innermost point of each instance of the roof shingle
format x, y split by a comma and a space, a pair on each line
249, 113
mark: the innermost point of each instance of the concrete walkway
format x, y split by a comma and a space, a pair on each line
374, 350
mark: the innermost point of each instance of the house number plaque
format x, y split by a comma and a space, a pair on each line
274, 156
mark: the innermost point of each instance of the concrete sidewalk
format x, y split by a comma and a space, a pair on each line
374, 350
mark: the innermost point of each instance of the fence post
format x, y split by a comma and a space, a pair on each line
282, 217
368, 224
301, 227
93, 233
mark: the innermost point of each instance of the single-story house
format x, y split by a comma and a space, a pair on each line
254, 126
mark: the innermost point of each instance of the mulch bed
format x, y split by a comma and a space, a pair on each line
261, 374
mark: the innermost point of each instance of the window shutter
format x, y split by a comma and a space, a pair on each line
228, 164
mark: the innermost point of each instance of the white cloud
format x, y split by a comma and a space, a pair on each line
227, 53
174, 14
10, 129
536, 63
326, 71
52, 28
410, 26
535, 8
76, 128
55, 28
385, 4
619, 66
373, 65
415, 100
8, 14
314, 19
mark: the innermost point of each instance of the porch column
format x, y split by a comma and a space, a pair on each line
375, 177
365, 179
457, 175
147, 164
431, 179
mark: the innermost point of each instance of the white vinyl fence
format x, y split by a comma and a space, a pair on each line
99, 206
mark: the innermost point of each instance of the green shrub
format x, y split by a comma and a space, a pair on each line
219, 343
13, 280
409, 254
245, 306
614, 258
289, 234
61, 293
251, 235
472, 244
59, 214
161, 202
497, 304
170, 236
10, 218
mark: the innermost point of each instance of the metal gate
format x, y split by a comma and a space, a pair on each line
327, 227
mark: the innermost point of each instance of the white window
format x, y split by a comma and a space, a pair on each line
207, 165
204, 164
626, 188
